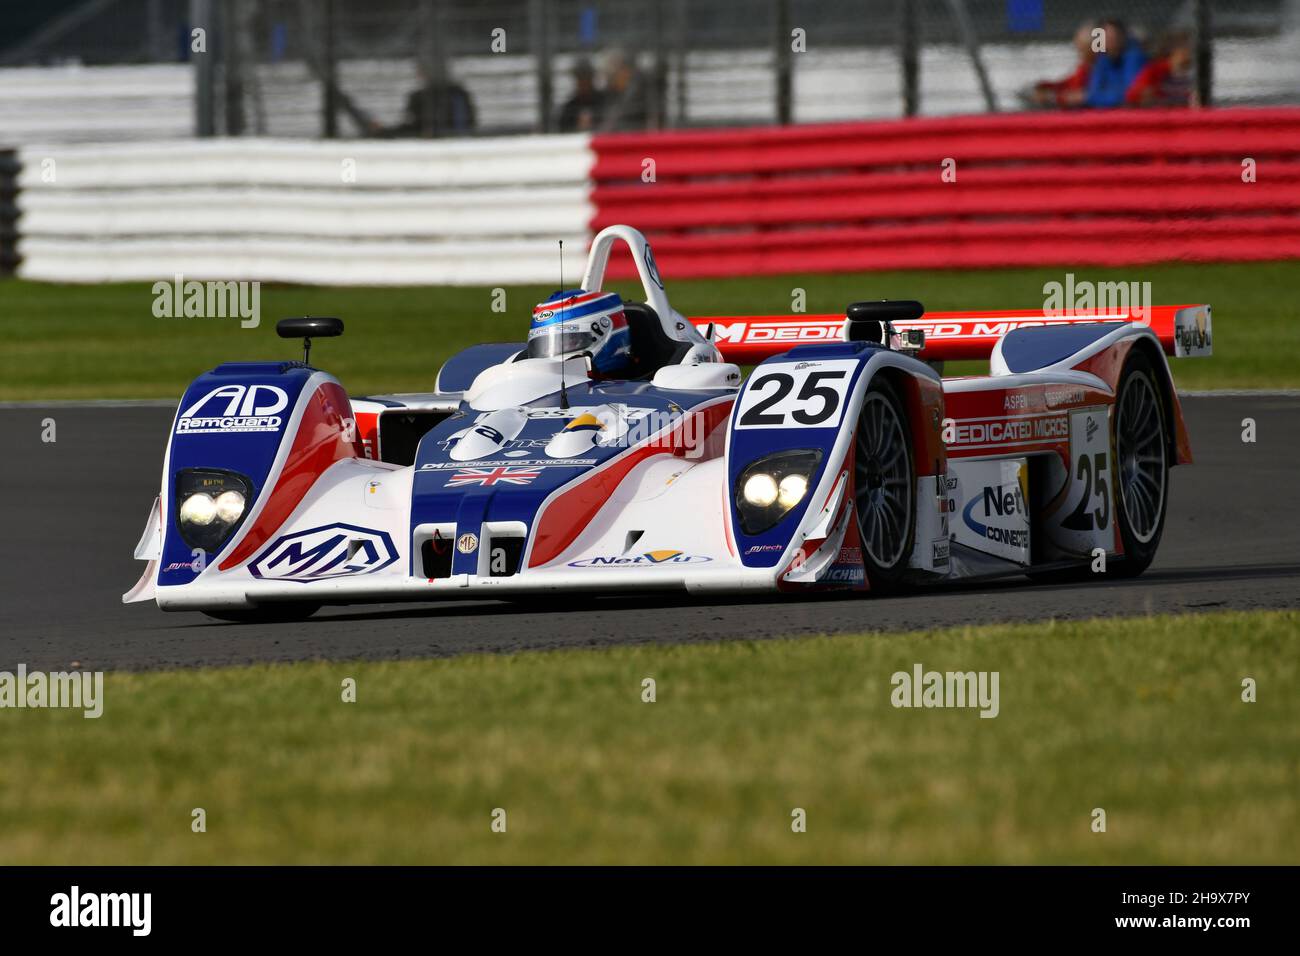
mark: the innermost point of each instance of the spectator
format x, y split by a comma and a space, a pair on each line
1166, 80
1068, 93
584, 109
629, 98
1115, 69
439, 105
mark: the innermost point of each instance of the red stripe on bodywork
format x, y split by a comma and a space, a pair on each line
949, 336
571, 511
368, 434
321, 440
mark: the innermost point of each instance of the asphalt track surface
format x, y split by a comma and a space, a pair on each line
73, 510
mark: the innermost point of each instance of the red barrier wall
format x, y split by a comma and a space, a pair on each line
1110, 188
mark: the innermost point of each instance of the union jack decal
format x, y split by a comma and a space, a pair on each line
492, 476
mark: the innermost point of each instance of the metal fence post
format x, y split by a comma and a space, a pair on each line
680, 35
784, 66
205, 123
230, 43
538, 12
909, 56
329, 73
430, 68
660, 80
156, 46
967, 28
1204, 66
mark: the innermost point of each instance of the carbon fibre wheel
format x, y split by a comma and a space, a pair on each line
884, 486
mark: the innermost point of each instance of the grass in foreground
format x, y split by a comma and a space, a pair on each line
1143, 718
103, 341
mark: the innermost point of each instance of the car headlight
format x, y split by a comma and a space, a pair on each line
230, 506
198, 509
760, 490
791, 490
770, 487
211, 504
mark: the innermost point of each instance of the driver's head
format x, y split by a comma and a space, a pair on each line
577, 321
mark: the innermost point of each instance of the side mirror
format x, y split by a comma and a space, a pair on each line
875, 322
307, 328
893, 311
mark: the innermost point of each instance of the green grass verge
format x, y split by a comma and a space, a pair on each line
1141, 717
76, 342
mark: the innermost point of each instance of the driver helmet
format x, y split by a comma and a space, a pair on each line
576, 321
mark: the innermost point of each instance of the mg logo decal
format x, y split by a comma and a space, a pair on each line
319, 554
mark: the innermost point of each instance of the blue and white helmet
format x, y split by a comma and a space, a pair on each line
577, 321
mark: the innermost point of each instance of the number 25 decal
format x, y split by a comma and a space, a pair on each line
808, 395
1091, 471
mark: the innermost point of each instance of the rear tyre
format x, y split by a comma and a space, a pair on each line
1141, 464
884, 487
1141, 446
268, 614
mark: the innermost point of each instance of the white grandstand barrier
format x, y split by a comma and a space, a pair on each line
375, 212
61, 104
419, 212
275, 211
427, 164
316, 262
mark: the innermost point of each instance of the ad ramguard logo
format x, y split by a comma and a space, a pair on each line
644, 559
318, 554
235, 408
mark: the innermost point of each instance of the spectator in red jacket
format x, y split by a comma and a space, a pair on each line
1068, 92
1166, 80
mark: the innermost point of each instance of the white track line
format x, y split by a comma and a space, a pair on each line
1242, 393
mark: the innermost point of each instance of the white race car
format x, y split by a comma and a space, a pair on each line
843, 460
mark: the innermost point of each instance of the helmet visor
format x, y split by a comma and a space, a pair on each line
553, 343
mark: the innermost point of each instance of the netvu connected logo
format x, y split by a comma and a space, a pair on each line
644, 559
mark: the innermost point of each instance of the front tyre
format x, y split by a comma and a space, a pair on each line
1141, 464
884, 487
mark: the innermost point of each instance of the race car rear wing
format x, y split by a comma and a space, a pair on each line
1183, 330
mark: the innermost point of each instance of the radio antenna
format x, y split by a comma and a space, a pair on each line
564, 392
